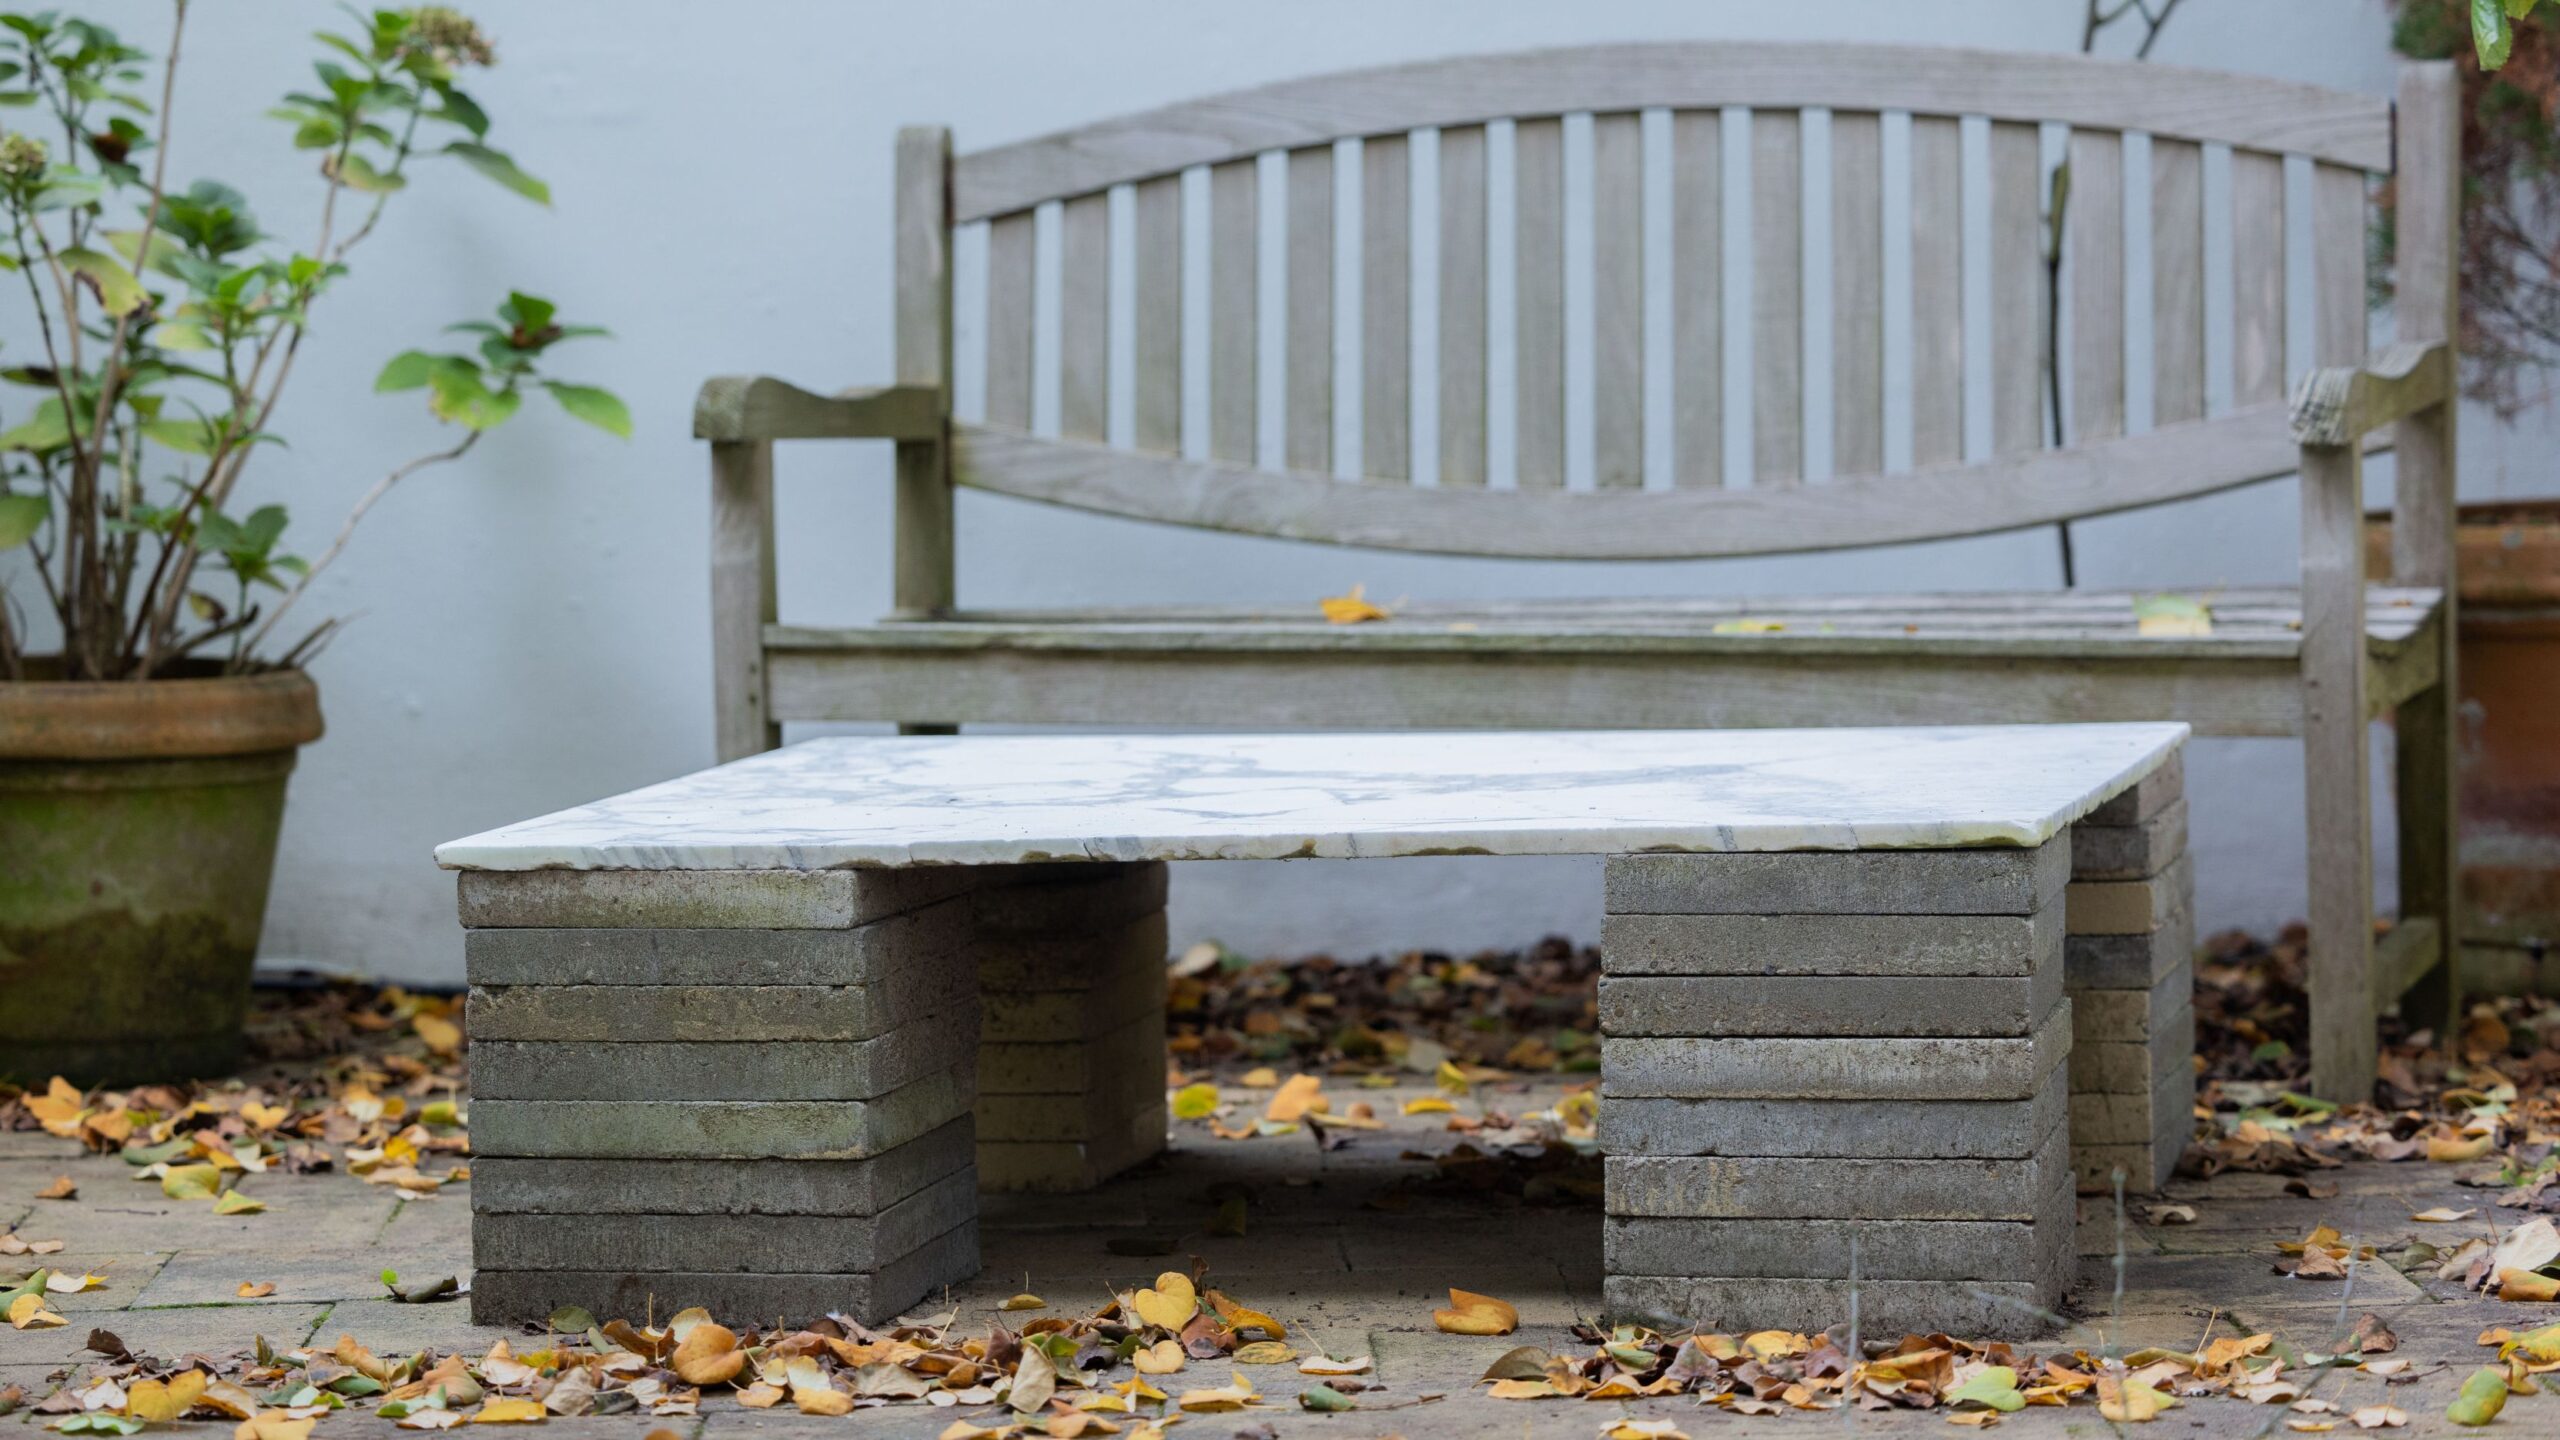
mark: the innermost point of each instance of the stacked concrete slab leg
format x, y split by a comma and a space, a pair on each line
2130, 970
746, 1090
1820, 1066
1071, 968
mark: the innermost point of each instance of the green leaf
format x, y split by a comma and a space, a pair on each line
20, 517
409, 370
2485, 1393
1325, 1397
118, 292
600, 408
1995, 1388
499, 167
187, 437
2518, 9
41, 431
98, 1422
358, 173
455, 393
529, 313
2492, 36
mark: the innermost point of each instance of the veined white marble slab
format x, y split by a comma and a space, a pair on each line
996, 799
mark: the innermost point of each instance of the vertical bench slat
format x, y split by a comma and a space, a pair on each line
1386, 308
2257, 277
1084, 318
921, 576
1857, 294
1617, 298
2337, 261
1157, 372
1309, 327
2177, 281
1234, 223
2094, 221
1937, 291
1697, 298
1777, 298
1012, 242
2019, 304
1538, 198
1462, 305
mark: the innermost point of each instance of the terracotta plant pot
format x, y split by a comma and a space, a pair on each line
139, 823
2508, 644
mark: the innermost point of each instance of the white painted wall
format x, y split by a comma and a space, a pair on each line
529, 629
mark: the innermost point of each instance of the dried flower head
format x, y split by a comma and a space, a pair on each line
22, 157
451, 36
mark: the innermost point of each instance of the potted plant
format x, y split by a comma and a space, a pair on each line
152, 693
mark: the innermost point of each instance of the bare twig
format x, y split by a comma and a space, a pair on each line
380, 488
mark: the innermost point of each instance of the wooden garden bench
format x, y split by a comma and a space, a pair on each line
2319, 661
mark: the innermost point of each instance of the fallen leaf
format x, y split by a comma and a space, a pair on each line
1326, 1365
255, 1289
1265, 1352
2482, 1397
2527, 1285
2171, 615
2168, 1214
28, 1312
1035, 1379
191, 1182
1428, 1105
1994, 1387
277, 1425
442, 1035
2458, 1150
1233, 1396
1195, 1102
60, 1189
1170, 1303
11, 1244
1325, 1398
1024, 1302
161, 1401
1294, 1100
235, 1203
2379, 1417
63, 1283
2444, 1215
2126, 1401
1162, 1358
1350, 609
708, 1355
510, 1412
1473, 1314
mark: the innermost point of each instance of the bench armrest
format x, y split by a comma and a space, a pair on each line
2342, 404
759, 407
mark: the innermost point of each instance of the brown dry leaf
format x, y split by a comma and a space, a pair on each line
255, 1289
1473, 1314
1077, 1423
2168, 1214
1976, 1419
2379, 1417
442, 1035
1294, 1100
60, 1189
1350, 609
1035, 1379
761, 1396
2372, 1336
708, 1355
11, 1245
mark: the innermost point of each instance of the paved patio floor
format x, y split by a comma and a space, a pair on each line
1317, 1253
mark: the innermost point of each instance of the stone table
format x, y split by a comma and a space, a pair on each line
755, 1038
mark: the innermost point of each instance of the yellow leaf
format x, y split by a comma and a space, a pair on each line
1171, 1303
1024, 1302
2527, 1285
761, 1396
265, 1117
1242, 1320
1194, 1102
442, 1035
1452, 1079
277, 1425
1264, 1352
61, 1189
1428, 1105
1748, 626
191, 1182
510, 1412
1524, 1390
1234, 1396
1473, 1314
27, 1312
255, 1289
60, 1108
235, 1203
2457, 1150
2130, 1401
1162, 1358
708, 1355
1350, 609
162, 1401
1260, 1077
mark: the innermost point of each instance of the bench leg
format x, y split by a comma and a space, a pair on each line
1071, 970
1806, 1057
2129, 967
2430, 882
748, 1091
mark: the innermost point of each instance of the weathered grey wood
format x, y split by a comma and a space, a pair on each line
2404, 957
2257, 277
2338, 807
2177, 281
1617, 300
2252, 111
1538, 303
1857, 293
2093, 219
920, 580
742, 596
1012, 250
2426, 308
1777, 299
1462, 306
1235, 218
1937, 292
2340, 405
1697, 299
1084, 318
2008, 493
1156, 378
1308, 433
759, 407
1386, 308
2018, 301
2339, 331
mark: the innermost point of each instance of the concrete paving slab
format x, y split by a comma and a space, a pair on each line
1826, 1005
1919, 945
853, 956
1848, 1068
1838, 882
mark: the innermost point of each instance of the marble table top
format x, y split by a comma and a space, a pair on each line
997, 799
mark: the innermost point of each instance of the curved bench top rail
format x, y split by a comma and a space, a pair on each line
2008, 493
2247, 111
1003, 799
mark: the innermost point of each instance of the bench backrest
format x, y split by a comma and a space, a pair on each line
1654, 111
